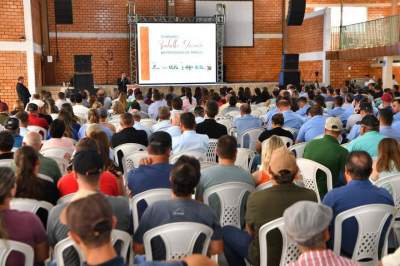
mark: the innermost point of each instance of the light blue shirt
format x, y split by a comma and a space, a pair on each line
338, 112
314, 127
396, 117
354, 132
139, 126
153, 108
292, 120
190, 141
303, 111
246, 122
174, 131
82, 131
270, 114
368, 142
161, 126
389, 132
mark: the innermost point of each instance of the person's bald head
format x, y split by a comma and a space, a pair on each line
33, 139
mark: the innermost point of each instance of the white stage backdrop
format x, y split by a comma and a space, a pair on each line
176, 53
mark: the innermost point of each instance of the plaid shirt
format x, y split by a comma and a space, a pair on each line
322, 258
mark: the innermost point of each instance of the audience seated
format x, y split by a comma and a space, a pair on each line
128, 134
199, 114
155, 106
93, 119
33, 117
246, 121
313, 127
188, 101
88, 166
20, 226
71, 121
48, 166
268, 147
164, 122
365, 109
388, 160
302, 102
189, 141
209, 126
292, 120
232, 102
23, 123
396, 110
60, 100
338, 110
154, 172
79, 109
334, 160
139, 98
103, 116
358, 192
277, 130
265, 206
108, 183
385, 124
306, 223
57, 139
12, 126
226, 170
369, 137
185, 176
6, 145
102, 98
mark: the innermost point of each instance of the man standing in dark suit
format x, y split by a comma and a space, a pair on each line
122, 82
22, 91
210, 127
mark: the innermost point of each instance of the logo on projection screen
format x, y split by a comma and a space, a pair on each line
171, 53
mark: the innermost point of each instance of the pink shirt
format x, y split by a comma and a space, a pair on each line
186, 106
322, 258
63, 143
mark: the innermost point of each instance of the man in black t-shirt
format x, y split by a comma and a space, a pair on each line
277, 123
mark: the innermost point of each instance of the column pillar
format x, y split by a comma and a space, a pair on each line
171, 8
395, 4
387, 72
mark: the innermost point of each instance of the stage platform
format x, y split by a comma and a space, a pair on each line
112, 89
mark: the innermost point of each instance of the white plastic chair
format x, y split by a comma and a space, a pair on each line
30, 205
65, 199
148, 122
117, 236
244, 158
227, 122
294, 131
288, 141
6, 163
132, 160
40, 130
290, 250
263, 186
298, 149
308, 170
371, 220
252, 136
392, 184
56, 153
126, 149
8, 246
233, 114
198, 155
45, 177
231, 196
149, 196
179, 239
211, 155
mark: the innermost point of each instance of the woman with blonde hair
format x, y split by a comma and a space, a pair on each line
268, 147
118, 108
388, 162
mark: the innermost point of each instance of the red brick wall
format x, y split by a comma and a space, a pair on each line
267, 16
38, 69
340, 70
36, 21
308, 69
380, 12
12, 65
185, 8
308, 37
11, 20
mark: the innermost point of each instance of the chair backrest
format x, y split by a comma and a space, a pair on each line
132, 160
8, 246
125, 150
179, 239
290, 250
265, 185
30, 205
55, 153
298, 149
6, 162
294, 131
149, 196
65, 199
227, 122
233, 114
308, 170
371, 220
148, 122
117, 236
244, 158
288, 141
40, 130
45, 177
231, 196
248, 139
198, 155
211, 155
392, 184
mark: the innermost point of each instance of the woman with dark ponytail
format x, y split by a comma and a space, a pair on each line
19, 226
189, 102
29, 184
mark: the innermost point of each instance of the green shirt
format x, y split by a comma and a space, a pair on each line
50, 168
267, 205
328, 152
368, 142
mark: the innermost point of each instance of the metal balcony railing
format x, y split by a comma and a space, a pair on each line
374, 33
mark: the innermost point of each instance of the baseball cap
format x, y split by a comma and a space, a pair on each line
333, 124
283, 159
89, 217
306, 219
88, 162
387, 97
12, 123
160, 139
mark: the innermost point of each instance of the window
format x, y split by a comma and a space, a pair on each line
351, 15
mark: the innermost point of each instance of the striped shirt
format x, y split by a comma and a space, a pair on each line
322, 258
